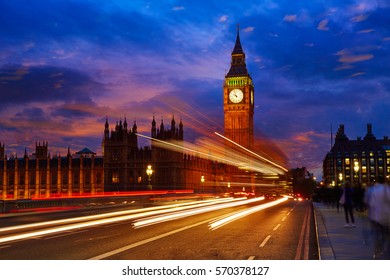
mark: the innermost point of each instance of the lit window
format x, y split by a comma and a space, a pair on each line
115, 178
347, 162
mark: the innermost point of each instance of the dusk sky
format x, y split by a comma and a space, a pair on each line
67, 65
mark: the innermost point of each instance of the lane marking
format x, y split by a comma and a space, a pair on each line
251, 258
265, 241
275, 228
146, 241
284, 219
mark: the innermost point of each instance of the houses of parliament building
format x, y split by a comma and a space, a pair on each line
123, 164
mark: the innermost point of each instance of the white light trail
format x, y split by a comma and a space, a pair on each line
215, 150
168, 217
111, 214
131, 214
252, 153
195, 150
158, 216
240, 214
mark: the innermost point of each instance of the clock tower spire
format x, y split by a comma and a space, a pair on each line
238, 99
237, 64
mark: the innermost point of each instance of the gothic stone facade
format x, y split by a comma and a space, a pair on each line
125, 163
40, 175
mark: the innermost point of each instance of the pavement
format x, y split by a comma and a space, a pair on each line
337, 242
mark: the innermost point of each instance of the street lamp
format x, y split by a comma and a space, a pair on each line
356, 168
340, 178
202, 181
149, 172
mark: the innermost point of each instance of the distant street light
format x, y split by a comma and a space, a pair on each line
340, 178
149, 172
202, 181
356, 168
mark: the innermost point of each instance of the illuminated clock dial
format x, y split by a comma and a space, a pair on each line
236, 95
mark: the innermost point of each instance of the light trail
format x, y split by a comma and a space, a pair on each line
240, 214
195, 150
136, 214
157, 216
252, 153
238, 184
111, 214
215, 150
168, 217
60, 229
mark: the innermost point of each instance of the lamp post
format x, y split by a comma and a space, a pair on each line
202, 181
356, 168
149, 172
340, 178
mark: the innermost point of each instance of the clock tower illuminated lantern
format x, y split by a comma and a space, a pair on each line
238, 99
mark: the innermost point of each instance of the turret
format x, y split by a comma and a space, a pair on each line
154, 130
173, 127
106, 130
162, 130
25, 153
41, 151
125, 125
135, 127
181, 130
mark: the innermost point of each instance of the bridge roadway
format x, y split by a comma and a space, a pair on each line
285, 231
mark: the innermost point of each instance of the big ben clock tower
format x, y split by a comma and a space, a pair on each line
238, 99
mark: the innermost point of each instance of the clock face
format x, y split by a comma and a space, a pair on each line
236, 95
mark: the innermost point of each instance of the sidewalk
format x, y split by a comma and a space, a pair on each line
337, 242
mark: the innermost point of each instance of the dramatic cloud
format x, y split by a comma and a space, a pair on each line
20, 84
